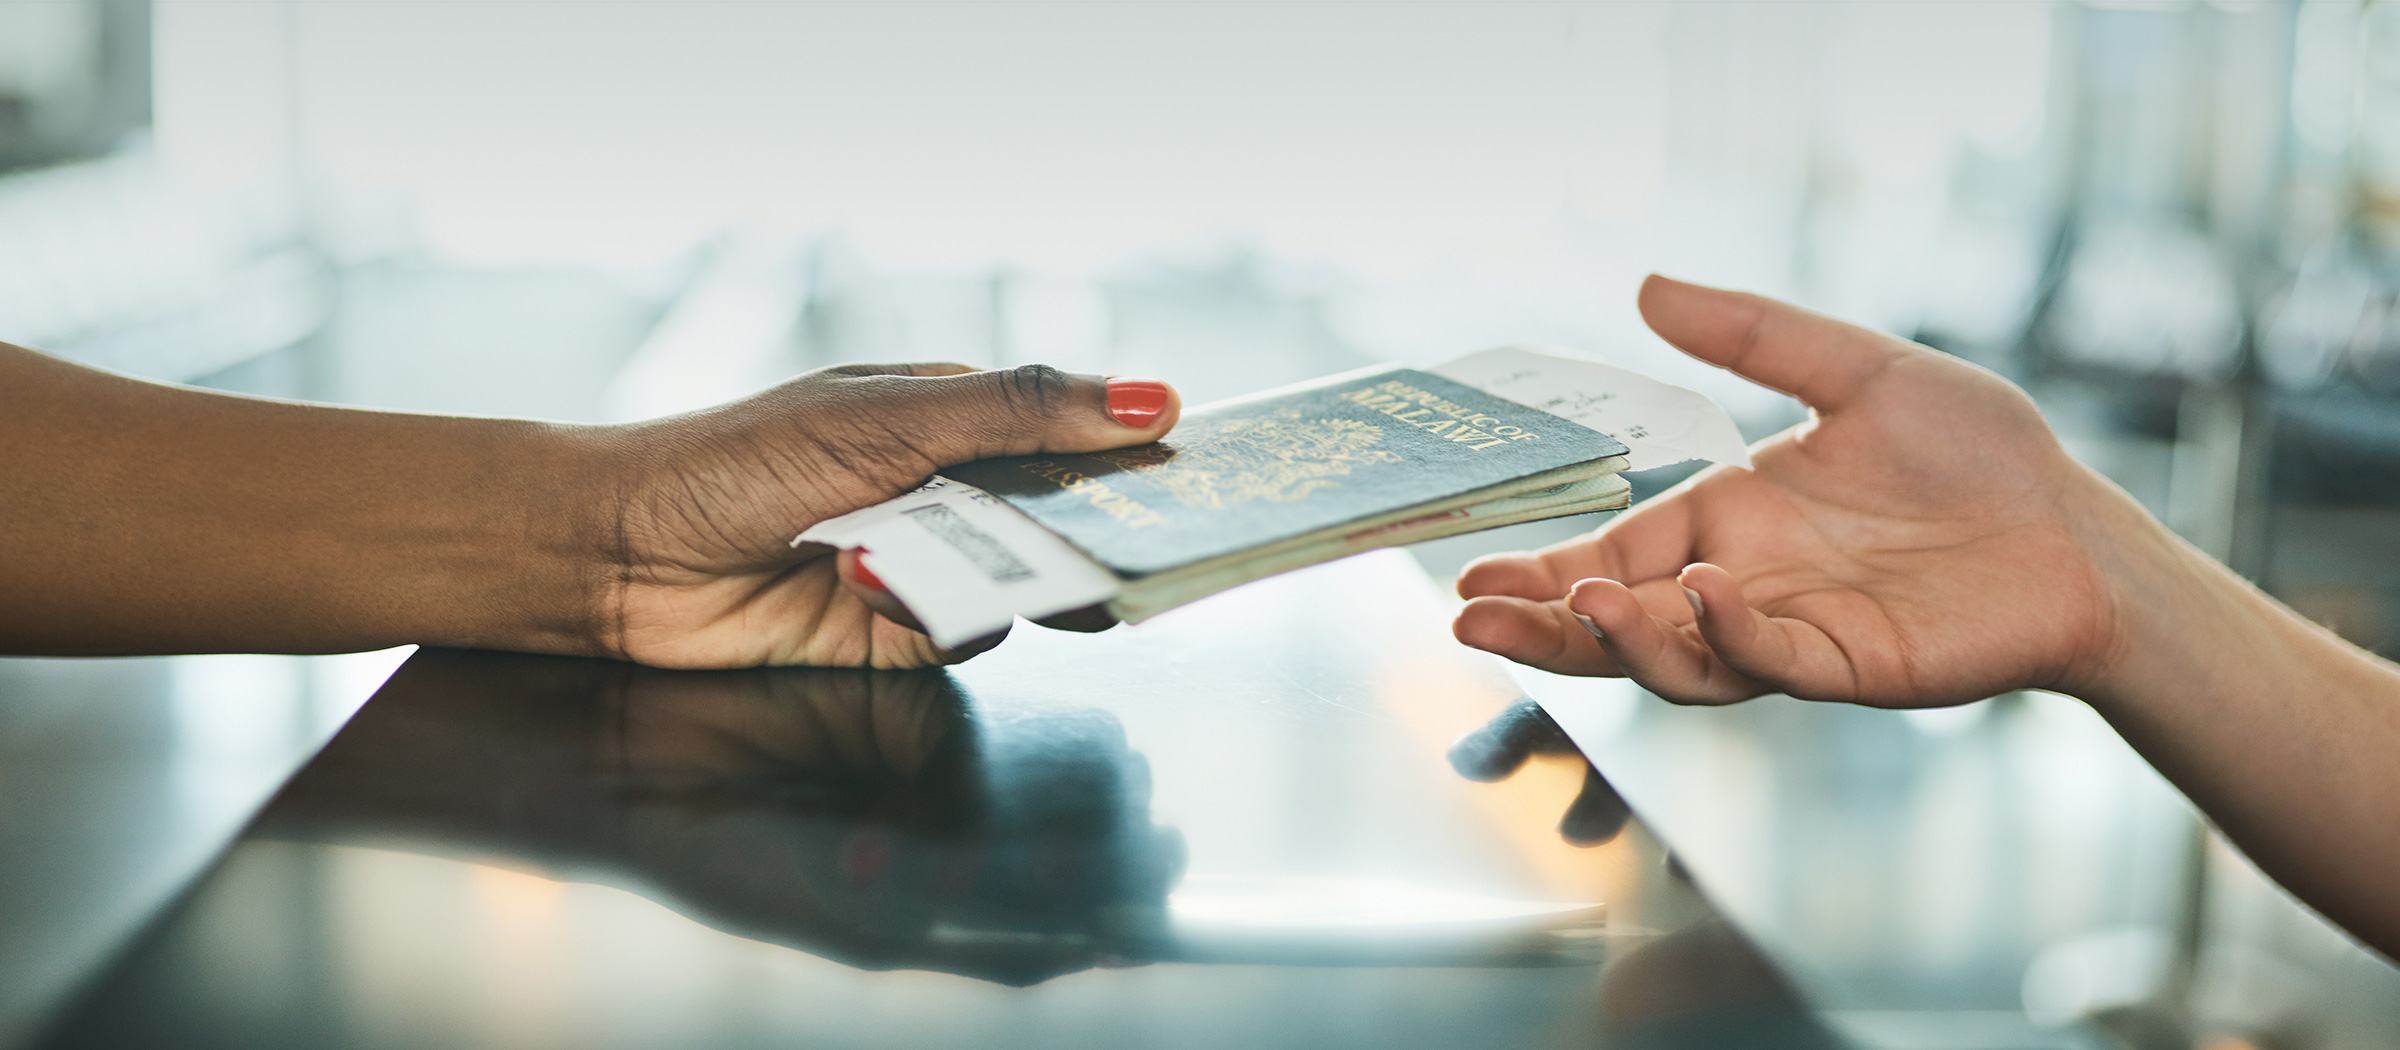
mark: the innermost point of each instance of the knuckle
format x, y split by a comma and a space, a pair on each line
1040, 389
906, 369
858, 371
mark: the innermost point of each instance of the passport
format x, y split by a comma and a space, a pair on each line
1273, 482
1303, 472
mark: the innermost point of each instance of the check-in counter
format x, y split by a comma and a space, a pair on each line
1298, 814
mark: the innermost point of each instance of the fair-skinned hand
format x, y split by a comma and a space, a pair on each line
1920, 542
1923, 540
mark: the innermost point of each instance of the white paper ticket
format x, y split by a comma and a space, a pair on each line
967, 564
1660, 423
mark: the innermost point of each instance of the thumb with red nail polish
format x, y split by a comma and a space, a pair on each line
718, 579
1021, 411
1137, 403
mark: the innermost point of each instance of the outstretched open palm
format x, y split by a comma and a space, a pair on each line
1917, 543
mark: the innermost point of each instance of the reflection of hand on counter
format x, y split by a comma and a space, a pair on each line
1704, 988
871, 817
1702, 985
1502, 746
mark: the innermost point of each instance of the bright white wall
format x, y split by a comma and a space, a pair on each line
1379, 135
1053, 133
1456, 174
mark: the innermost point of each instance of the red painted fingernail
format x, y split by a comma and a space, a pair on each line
1136, 402
865, 576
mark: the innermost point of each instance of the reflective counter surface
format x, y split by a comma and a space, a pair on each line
1298, 814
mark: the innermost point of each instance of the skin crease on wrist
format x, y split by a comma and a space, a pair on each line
1924, 540
2281, 732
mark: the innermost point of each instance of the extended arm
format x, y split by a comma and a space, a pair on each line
146, 518
2285, 735
1923, 541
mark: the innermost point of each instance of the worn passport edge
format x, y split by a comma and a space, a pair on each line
1138, 602
1514, 487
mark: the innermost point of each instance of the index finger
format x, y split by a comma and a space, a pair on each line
863, 584
1647, 542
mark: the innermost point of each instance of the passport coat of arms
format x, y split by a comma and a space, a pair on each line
1281, 457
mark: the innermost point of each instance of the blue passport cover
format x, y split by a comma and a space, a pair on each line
1258, 470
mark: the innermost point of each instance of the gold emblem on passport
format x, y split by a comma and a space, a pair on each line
1294, 463
1280, 457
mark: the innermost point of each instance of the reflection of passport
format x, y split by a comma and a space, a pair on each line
1326, 462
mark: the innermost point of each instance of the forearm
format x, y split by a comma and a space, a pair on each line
143, 518
2287, 737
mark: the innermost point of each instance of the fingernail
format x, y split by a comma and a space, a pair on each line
1588, 625
1136, 402
865, 576
1693, 597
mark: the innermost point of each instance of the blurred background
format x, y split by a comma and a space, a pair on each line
2177, 223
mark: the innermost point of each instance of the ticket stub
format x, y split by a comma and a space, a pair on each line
967, 564
1662, 424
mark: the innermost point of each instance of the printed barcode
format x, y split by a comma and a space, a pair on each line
987, 553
